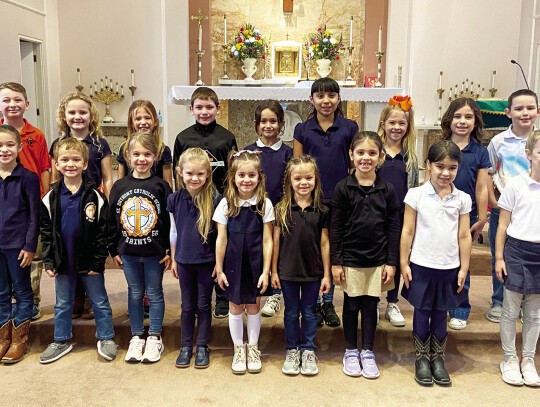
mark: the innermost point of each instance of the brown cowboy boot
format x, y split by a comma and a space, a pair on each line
5, 338
19, 343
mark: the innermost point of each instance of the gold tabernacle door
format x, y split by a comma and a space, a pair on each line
286, 59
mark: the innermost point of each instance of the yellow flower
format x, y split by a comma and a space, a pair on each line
238, 46
327, 32
316, 46
259, 41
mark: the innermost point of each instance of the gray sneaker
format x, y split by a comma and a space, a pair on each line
107, 349
55, 351
292, 362
494, 313
309, 363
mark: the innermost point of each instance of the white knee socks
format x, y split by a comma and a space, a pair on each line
253, 328
236, 327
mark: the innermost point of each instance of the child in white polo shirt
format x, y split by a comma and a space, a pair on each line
517, 265
435, 253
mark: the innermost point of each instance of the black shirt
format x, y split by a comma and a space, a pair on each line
365, 224
216, 140
300, 249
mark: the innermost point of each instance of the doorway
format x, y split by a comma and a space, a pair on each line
32, 80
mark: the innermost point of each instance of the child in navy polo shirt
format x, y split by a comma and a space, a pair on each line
217, 142
74, 236
269, 123
326, 135
193, 241
19, 224
462, 123
301, 261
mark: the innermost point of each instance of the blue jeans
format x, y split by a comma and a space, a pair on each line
11, 273
464, 310
144, 273
65, 294
300, 297
497, 296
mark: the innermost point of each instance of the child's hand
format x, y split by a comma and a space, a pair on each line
118, 261
500, 269
476, 229
274, 280
26, 257
462, 274
338, 274
406, 274
222, 280
174, 269
167, 260
326, 284
388, 273
263, 282
51, 273
92, 273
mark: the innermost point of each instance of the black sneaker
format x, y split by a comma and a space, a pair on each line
222, 308
318, 312
329, 315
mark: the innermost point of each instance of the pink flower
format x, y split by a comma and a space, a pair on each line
263, 56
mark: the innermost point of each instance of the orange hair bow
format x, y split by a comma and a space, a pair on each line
402, 101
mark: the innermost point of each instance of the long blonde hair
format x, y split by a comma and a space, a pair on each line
283, 208
94, 126
236, 160
150, 108
408, 142
204, 200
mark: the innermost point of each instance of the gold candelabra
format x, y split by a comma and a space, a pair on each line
379, 55
106, 94
350, 49
467, 91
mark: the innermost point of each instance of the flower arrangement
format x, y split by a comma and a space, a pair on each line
247, 43
322, 45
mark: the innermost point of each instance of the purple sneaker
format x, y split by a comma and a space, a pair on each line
370, 371
351, 363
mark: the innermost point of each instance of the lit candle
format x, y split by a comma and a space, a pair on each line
450, 92
380, 38
79, 76
116, 87
111, 83
122, 89
350, 36
493, 79
225, 28
90, 88
132, 77
440, 80
200, 36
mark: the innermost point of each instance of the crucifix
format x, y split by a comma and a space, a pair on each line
200, 51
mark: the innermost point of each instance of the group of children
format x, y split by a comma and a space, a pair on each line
341, 207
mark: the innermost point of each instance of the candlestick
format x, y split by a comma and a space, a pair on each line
440, 80
116, 87
379, 55
132, 77
78, 77
493, 79
132, 89
399, 74
200, 37
439, 117
200, 51
225, 28
350, 49
225, 53
350, 36
122, 89
380, 39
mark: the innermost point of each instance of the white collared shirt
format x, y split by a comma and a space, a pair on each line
522, 197
275, 146
222, 208
435, 242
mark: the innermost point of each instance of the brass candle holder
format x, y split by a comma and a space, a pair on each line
225, 52
350, 49
107, 95
379, 55
493, 91
200, 51
439, 117
399, 74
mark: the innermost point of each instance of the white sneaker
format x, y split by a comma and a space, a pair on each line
154, 349
530, 376
393, 314
272, 306
511, 372
378, 314
457, 324
254, 364
309, 363
239, 360
135, 350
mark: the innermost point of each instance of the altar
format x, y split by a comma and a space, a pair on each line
238, 104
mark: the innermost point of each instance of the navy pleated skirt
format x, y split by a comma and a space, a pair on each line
522, 261
433, 289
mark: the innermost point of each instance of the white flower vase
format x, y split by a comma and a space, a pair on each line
249, 68
323, 67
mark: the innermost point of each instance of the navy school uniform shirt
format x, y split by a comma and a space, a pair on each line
394, 170
98, 149
274, 160
330, 149
215, 140
365, 227
70, 225
474, 157
190, 248
19, 210
300, 250
139, 223
157, 169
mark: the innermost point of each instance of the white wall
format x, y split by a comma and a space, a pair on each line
462, 38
